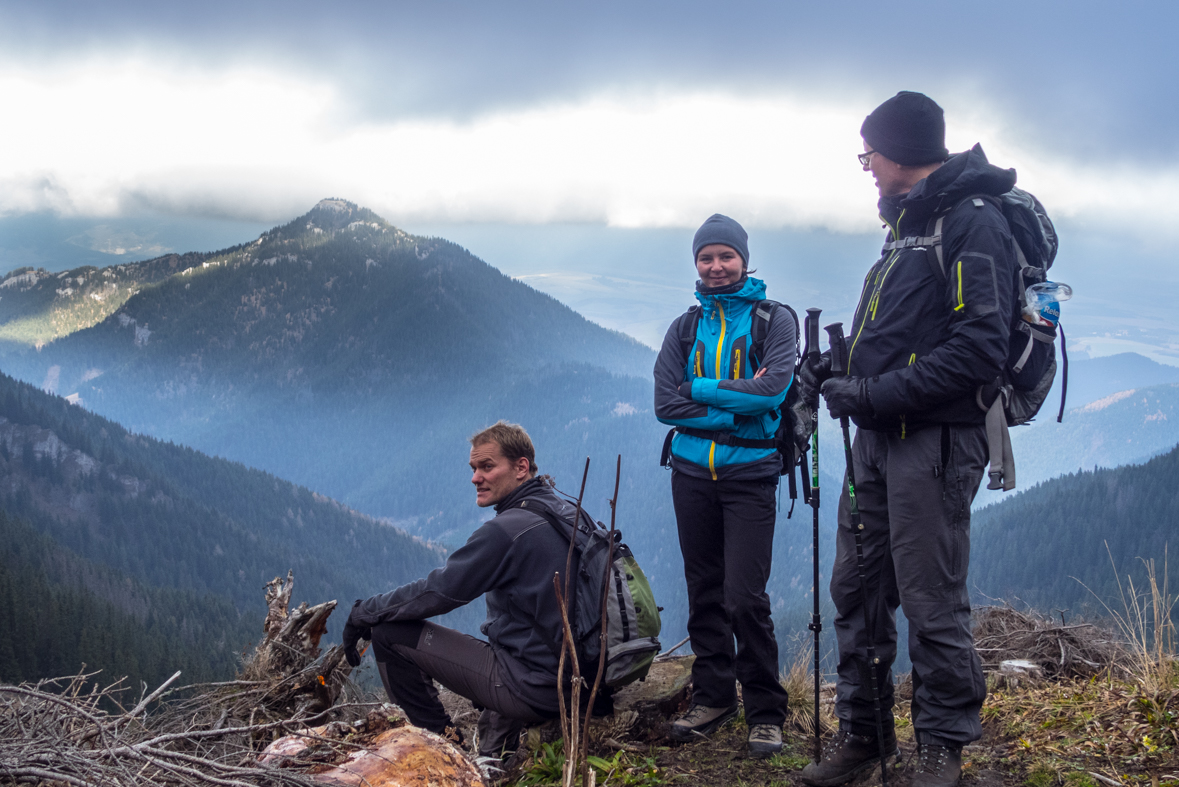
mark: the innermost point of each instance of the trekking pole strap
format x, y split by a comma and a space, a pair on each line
1064, 381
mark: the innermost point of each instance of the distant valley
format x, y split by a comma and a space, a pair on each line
353, 359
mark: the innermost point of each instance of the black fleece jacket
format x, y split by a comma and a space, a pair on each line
511, 559
925, 345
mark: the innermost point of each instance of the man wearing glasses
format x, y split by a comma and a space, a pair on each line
923, 340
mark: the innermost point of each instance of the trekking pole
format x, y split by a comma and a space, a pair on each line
839, 366
812, 352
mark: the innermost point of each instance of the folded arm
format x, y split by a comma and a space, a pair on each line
671, 407
760, 394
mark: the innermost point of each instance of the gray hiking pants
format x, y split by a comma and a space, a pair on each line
412, 655
914, 497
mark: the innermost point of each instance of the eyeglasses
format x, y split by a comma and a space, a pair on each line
865, 158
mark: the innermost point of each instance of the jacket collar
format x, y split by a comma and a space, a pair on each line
526, 489
750, 290
962, 176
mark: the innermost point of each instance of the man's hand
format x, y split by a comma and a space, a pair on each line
811, 376
685, 389
353, 633
847, 396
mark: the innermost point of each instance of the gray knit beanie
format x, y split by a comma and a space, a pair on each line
722, 229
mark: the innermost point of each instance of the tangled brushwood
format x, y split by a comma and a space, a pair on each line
1079, 650
75, 731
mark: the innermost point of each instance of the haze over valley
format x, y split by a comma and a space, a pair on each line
349, 357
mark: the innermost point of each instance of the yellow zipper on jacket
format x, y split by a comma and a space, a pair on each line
961, 302
877, 287
720, 345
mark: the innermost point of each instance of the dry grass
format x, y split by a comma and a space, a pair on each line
799, 681
1146, 620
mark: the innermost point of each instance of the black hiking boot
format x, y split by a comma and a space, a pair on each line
699, 721
937, 765
846, 756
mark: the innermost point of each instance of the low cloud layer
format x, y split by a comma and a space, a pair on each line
105, 137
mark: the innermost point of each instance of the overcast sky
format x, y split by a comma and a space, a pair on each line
625, 115
632, 114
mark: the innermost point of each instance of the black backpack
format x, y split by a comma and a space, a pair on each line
792, 437
632, 617
1031, 363
1015, 397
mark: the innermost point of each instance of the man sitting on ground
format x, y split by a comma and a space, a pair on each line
511, 559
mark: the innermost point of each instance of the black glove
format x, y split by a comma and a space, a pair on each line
802, 425
353, 633
686, 389
811, 376
847, 396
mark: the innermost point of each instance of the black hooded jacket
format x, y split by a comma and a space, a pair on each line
926, 345
511, 560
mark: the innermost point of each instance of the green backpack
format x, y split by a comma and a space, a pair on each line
632, 632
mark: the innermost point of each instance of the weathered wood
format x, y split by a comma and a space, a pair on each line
288, 656
278, 600
381, 751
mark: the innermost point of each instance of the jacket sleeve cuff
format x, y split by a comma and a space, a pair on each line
884, 397
704, 390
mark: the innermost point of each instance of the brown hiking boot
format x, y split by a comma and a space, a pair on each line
937, 766
699, 721
846, 756
765, 740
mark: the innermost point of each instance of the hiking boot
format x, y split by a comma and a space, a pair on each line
765, 740
937, 766
846, 756
699, 721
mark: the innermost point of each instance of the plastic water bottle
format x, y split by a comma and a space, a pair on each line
1043, 302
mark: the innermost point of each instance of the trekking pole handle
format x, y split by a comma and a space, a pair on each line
838, 348
812, 333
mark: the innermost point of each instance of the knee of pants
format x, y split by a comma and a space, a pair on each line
745, 605
845, 593
386, 636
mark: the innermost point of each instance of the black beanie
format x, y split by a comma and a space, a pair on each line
909, 128
722, 229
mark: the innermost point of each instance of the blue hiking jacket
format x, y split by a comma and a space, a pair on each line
718, 376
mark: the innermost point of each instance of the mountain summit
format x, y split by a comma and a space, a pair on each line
339, 351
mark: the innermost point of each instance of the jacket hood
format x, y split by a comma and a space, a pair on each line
752, 290
963, 175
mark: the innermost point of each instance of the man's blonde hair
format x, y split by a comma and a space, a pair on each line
512, 440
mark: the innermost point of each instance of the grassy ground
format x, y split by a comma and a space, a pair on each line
1094, 732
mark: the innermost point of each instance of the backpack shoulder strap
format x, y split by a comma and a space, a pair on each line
933, 241
763, 315
565, 529
688, 323
559, 523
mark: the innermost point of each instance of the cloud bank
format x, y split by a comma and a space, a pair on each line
104, 137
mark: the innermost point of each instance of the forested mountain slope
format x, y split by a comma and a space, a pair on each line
37, 306
158, 536
59, 611
1120, 428
1042, 544
341, 353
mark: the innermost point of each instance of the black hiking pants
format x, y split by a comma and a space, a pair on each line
914, 496
412, 655
726, 531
